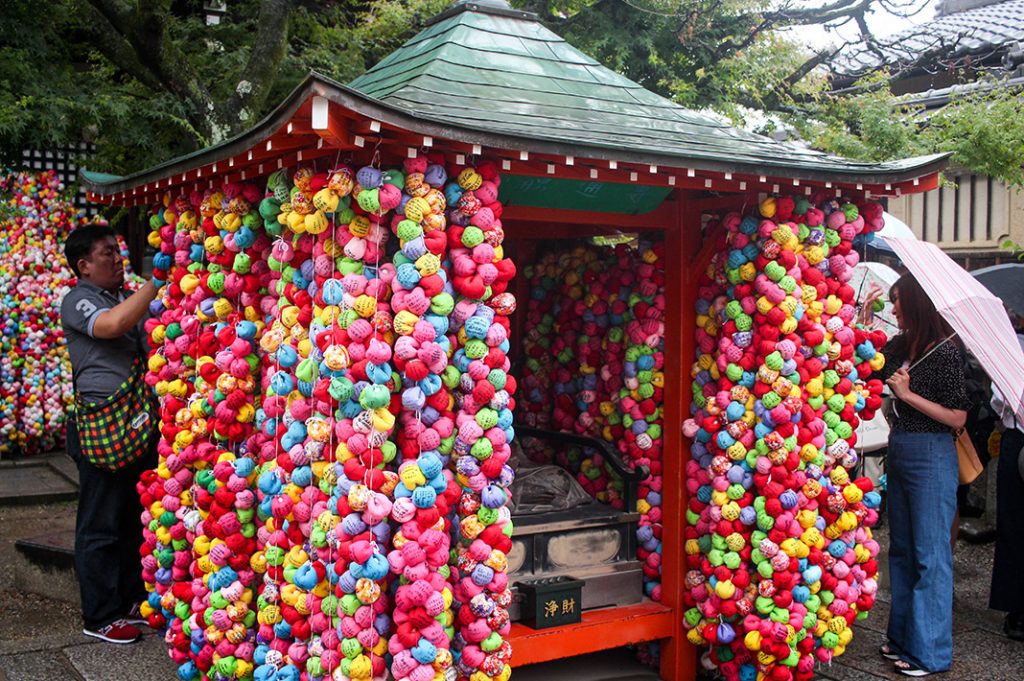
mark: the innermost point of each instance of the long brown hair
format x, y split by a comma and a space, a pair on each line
922, 325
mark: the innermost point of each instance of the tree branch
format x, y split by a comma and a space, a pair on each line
899, 59
144, 29
817, 15
269, 48
730, 46
115, 12
541, 8
112, 45
817, 60
869, 39
782, 17
939, 48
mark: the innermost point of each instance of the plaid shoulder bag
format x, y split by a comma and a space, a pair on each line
119, 430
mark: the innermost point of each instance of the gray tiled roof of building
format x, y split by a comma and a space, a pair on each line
979, 31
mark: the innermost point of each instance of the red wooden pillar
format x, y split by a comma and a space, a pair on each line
682, 243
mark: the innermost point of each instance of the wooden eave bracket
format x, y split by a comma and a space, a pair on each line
326, 122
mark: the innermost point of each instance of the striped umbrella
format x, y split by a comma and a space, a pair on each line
976, 315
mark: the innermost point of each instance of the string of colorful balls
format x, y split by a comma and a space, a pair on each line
780, 560
36, 216
312, 393
199, 522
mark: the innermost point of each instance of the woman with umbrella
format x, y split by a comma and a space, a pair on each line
925, 372
979, 318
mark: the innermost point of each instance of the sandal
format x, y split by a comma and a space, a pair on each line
909, 669
888, 652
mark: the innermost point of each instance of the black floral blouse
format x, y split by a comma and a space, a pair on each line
939, 378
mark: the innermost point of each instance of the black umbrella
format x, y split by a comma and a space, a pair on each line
1005, 282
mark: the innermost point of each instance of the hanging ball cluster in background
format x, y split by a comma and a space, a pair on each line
594, 365
779, 555
426, 493
483, 405
36, 217
200, 523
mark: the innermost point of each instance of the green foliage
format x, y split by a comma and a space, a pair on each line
341, 42
985, 132
53, 93
724, 55
639, 45
870, 126
1014, 247
702, 59
752, 78
58, 89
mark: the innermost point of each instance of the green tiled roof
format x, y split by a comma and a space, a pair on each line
483, 66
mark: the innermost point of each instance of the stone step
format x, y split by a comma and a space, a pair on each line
54, 550
38, 480
44, 564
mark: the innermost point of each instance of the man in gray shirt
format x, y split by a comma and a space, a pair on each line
103, 329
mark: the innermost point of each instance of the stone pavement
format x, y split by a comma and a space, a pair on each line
40, 635
980, 651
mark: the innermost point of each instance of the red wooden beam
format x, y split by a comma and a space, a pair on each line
548, 165
290, 156
610, 221
280, 144
623, 173
921, 184
729, 202
298, 125
537, 165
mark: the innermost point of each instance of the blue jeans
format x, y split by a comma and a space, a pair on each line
922, 481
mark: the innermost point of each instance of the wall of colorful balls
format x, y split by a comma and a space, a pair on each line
779, 556
331, 356
593, 360
36, 216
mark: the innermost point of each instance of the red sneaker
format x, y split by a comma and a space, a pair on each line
118, 631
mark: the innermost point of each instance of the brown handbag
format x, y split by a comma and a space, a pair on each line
967, 457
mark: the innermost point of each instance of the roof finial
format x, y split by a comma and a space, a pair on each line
493, 7
496, 4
